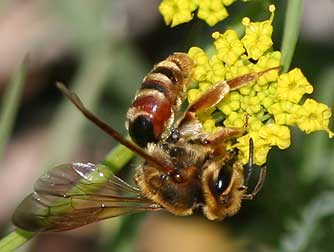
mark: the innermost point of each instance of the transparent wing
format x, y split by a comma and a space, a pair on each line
73, 195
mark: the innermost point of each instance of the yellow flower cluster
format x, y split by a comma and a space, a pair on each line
176, 12
271, 103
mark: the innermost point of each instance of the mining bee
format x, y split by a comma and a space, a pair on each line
184, 168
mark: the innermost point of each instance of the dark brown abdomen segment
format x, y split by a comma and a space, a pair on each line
158, 98
148, 123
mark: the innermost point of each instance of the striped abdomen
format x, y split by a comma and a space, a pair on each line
160, 96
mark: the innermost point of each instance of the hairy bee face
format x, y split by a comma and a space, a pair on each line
223, 190
179, 190
196, 180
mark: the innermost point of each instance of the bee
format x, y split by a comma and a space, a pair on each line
184, 168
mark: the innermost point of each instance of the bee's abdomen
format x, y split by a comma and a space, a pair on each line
158, 98
149, 114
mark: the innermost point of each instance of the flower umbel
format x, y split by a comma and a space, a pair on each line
271, 102
176, 12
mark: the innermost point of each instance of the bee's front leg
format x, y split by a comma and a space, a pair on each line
248, 172
259, 184
224, 134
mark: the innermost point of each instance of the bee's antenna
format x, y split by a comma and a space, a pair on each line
108, 129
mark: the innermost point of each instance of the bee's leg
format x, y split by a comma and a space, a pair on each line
259, 184
249, 171
211, 98
223, 135
249, 167
217, 93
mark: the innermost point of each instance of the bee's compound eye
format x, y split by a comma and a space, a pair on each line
223, 180
141, 131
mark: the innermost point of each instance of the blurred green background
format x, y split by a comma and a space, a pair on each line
102, 50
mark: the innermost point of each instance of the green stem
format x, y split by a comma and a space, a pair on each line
10, 104
117, 158
291, 32
14, 240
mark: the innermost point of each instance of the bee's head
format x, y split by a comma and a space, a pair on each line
223, 190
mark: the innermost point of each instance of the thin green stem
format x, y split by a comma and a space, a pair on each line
291, 32
15, 239
10, 105
117, 158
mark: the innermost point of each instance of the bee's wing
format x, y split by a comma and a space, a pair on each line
73, 195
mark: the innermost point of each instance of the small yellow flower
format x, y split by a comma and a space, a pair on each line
176, 12
267, 94
266, 101
292, 86
193, 95
217, 71
275, 134
285, 112
269, 60
314, 116
237, 70
255, 124
257, 39
204, 86
198, 55
212, 11
251, 104
229, 46
209, 125
235, 120
230, 103
202, 63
